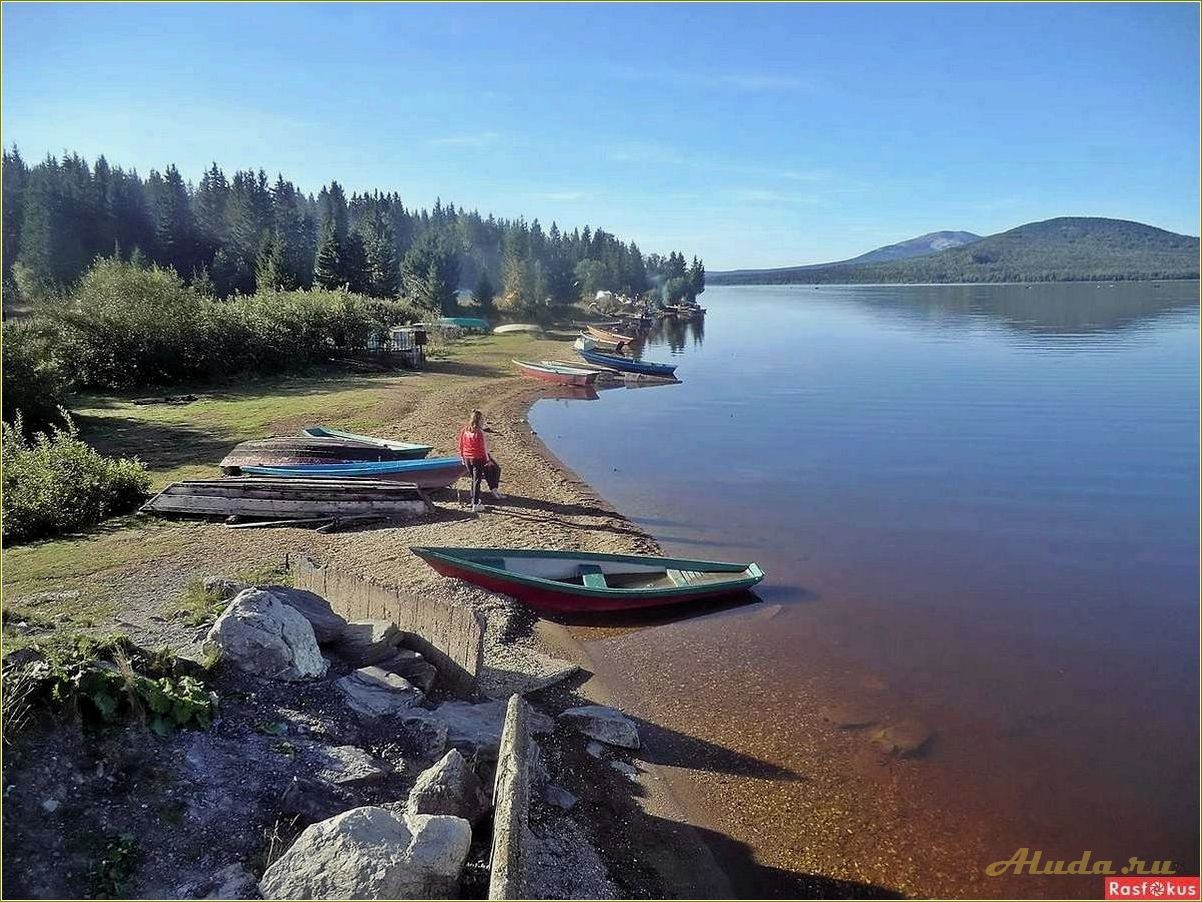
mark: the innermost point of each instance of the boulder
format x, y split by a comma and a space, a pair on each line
449, 787
260, 634
327, 626
607, 725
375, 692
368, 853
346, 765
476, 728
366, 642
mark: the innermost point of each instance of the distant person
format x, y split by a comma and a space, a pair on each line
473, 451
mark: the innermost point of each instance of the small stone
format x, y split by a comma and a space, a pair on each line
346, 765
375, 692
607, 725
223, 587
907, 738
596, 749
232, 882
50, 805
559, 797
626, 770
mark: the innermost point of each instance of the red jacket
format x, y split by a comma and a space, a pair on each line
471, 444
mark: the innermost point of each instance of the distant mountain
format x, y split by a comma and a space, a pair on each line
930, 243
1066, 249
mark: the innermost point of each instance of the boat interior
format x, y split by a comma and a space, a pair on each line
605, 574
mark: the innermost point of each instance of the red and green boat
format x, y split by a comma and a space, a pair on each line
579, 582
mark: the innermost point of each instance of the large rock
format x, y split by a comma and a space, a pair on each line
449, 787
365, 642
327, 626
260, 634
368, 853
607, 725
375, 692
475, 729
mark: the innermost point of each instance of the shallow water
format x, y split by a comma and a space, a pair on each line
977, 509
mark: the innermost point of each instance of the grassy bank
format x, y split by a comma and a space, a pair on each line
187, 441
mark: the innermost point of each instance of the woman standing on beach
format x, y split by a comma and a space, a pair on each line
480, 464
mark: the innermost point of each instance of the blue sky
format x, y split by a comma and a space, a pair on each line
753, 135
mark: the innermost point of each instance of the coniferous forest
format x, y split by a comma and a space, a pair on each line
237, 235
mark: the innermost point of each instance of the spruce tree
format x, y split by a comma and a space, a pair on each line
173, 224
327, 267
271, 271
485, 293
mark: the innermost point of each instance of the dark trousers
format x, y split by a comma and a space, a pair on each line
488, 470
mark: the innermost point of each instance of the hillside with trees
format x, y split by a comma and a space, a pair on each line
1067, 249
227, 236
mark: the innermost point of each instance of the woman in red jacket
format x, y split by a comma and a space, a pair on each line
480, 465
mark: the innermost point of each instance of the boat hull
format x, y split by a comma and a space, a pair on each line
627, 365
428, 474
555, 597
556, 375
294, 450
410, 450
606, 335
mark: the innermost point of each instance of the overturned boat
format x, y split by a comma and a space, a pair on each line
434, 473
309, 449
287, 499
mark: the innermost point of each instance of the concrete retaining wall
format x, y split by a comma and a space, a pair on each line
511, 805
450, 636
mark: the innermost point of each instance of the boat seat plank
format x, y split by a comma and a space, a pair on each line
592, 576
685, 577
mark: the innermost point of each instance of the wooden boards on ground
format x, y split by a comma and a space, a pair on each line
290, 498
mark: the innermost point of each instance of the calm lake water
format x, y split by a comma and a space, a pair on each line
977, 509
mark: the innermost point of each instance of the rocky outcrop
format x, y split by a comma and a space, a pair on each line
327, 626
369, 853
260, 634
603, 724
449, 787
375, 692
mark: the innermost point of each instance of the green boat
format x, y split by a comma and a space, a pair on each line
577, 581
399, 450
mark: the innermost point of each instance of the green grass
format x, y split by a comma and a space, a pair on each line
187, 441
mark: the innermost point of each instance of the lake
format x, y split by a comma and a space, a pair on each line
977, 508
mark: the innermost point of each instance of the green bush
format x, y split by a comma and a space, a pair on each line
54, 482
126, 326
35, 384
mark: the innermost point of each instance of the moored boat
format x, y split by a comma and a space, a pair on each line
434, 473
561, 374
574, 581
603, 343
410, 449
587, 350
307, 449
607, 335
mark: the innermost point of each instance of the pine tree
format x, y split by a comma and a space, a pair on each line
327, 268
271, 271
174, 228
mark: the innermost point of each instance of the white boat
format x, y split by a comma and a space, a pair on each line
509, 328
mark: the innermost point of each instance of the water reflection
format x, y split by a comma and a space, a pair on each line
677, 334
1057, 310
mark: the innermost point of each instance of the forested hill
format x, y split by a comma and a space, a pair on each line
1056, 250
245, 233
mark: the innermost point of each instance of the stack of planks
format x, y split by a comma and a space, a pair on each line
274, 499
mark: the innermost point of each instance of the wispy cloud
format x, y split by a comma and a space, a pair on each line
476, 139
565, 195
770, 196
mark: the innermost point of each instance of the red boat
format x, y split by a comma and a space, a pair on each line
560, 374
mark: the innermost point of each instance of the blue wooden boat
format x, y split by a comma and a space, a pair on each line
469, 323
433, 473
623, 364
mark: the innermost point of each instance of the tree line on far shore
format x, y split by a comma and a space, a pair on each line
235, 236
